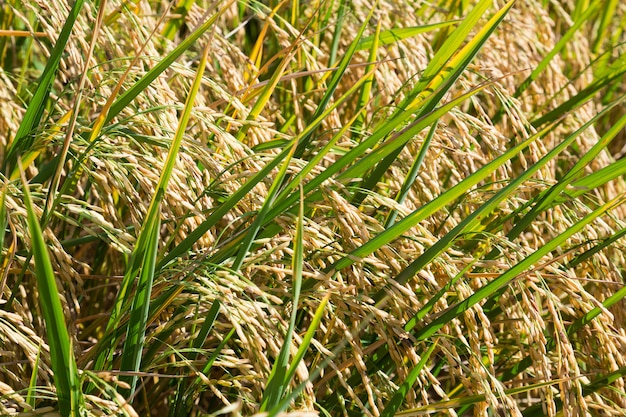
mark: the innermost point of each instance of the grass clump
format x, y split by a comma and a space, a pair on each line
322, 208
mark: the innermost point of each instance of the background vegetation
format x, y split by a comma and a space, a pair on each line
312, 207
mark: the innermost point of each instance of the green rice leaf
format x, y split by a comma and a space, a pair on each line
412, 175
608, 13
31, 395
334, 47
319, 312
207, 325
135, 334
306, 340
366, 91
209, 364
278, 380
594, 180
391, 36
398, 397
62, 356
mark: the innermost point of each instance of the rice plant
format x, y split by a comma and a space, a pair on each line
351, 208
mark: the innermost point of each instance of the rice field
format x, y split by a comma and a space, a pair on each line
312, 208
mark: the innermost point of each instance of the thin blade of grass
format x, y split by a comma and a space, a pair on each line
364, 96
207, 325
594, 180
597, 248
30, 155
334, 46
315, 322
596, 311
179, 408
608, 12
215, 354
411, 176
428, 307
391, 36
184, 398
136, 330
31, 395
278, 382
398, 397
61, 353
205, 370
306, 340
131, 357
116, 13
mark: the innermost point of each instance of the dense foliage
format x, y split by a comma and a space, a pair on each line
312, 207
